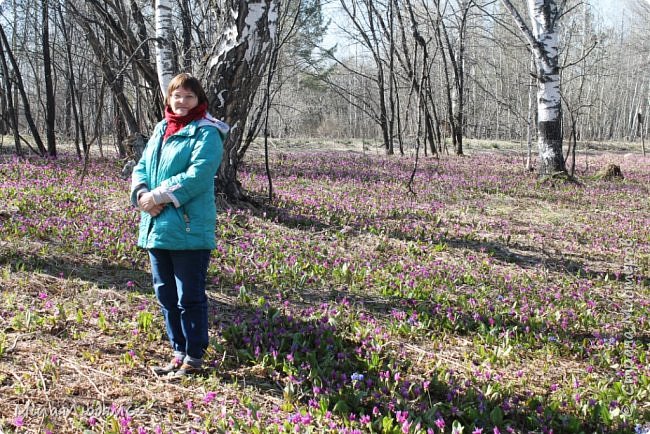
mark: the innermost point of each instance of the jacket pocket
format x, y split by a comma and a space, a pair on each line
185, 219
169, 223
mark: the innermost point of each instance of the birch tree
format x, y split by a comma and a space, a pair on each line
164, 53
542, 37
234, 70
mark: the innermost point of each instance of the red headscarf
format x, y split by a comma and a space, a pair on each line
175, 122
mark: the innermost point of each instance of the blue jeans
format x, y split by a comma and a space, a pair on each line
179, 281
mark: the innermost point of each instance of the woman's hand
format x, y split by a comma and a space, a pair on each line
147, 204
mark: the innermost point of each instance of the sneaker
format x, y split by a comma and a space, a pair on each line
186, 370
168, 368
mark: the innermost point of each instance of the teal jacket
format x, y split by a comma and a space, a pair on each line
180, 173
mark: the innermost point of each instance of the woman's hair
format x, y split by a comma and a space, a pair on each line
186, 81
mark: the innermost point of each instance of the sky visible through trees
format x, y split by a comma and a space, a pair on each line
611, 12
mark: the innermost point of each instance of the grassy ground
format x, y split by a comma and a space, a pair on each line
486, 302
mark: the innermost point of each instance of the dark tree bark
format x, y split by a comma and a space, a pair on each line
232, 77
21, 88
368, 24
115, 81
11, 111
374, 43
419, 81
75, 97
186, 22
142, 31
5, 121
124, 28
50, 107
454, 71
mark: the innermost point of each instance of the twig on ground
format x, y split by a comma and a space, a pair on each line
47, 396
76, 367
439, 356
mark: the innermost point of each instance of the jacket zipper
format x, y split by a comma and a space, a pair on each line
187, 221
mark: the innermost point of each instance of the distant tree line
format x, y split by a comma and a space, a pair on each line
403, 71
440, 71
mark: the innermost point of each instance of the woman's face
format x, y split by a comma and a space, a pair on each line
182, 100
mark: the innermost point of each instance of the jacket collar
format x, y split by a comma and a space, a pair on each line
190, 129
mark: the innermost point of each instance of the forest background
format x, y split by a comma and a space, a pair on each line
393, 255
333, 77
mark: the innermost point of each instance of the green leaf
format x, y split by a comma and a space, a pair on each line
341, 407
387, 423
573, 424
604, 413
324, 404
496, 416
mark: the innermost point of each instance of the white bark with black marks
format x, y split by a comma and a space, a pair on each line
542, 15
164, 52
233, 73
542, 37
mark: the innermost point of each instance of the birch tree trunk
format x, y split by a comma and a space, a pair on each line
164, 53
543, 40
233, 73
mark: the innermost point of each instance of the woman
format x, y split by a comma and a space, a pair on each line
173, 186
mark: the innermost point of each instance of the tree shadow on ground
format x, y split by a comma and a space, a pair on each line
517, 254
527, 257
315, 355
310, 356
289, 216
466, 323
95, 270
331, 169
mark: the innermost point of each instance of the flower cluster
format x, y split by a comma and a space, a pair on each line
484, 303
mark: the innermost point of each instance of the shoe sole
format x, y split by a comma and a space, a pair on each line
177, 375
161, 372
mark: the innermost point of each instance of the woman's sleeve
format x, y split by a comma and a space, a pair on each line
139, 178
